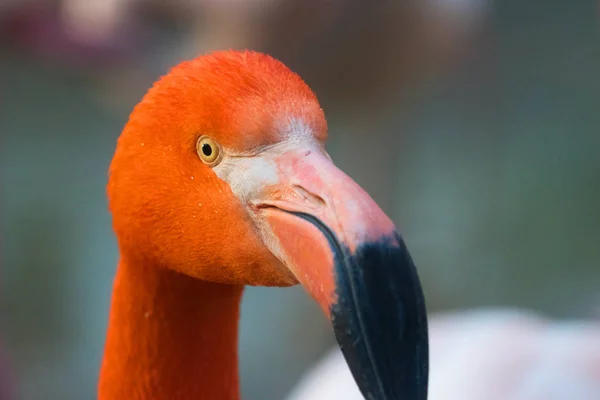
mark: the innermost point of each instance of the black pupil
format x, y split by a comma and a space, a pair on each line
206, 149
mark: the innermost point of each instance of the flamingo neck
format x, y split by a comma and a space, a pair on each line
170, 337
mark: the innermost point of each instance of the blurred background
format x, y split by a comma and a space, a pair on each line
474, 124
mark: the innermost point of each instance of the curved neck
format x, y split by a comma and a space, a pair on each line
170, 337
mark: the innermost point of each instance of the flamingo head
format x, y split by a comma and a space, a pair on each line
221, 174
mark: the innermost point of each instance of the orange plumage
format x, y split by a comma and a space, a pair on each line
164, 200
157, 181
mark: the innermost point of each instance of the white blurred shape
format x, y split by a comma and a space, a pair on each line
93, 20
492, 355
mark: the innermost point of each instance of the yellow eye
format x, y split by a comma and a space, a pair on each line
209, 151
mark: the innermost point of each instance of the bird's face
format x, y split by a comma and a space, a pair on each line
222, 174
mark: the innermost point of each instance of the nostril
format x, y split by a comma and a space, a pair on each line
313, 198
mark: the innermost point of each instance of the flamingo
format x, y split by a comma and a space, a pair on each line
220, 179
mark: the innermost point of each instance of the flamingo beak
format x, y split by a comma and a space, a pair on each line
348, 255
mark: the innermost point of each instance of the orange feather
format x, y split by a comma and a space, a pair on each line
170, 335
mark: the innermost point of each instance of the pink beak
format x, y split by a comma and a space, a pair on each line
348, 255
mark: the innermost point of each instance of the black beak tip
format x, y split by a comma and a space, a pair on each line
380, 320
